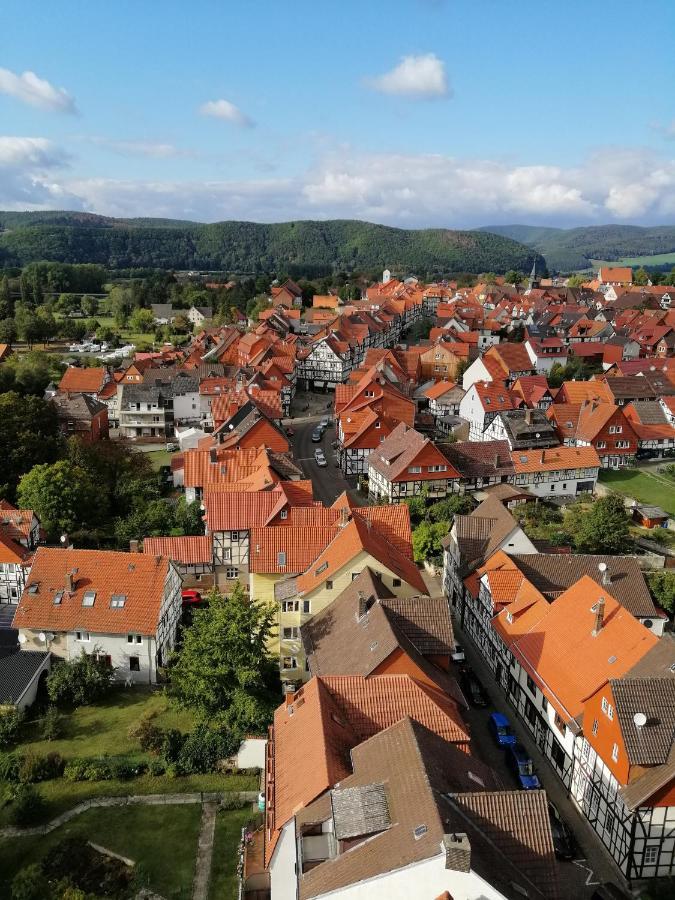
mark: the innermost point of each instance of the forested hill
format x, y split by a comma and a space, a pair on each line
568, 249
304, 247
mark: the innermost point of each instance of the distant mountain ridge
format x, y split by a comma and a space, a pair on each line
569, 249
301, 247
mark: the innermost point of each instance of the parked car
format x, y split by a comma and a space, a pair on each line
324, 423
320, 458
500, 729
290, 432
473, 689
191, 597
564, 844
171, 446
317, 434
458, 653
518, 760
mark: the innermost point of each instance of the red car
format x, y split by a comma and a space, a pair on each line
191, 597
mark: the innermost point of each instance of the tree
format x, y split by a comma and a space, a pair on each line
257, 305
26, 288
224, 668
29, 435
575, 281
513, 277
426, 540
30, 883
641, 276
7, 331
26, 324
89, 305
6, 304
461, 368
142, 320
80, 681
64, 496
603, 528
662, 585
68, 304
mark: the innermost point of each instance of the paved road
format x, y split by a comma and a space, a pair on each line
328, 482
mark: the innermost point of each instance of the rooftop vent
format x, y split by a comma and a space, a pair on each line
639, 720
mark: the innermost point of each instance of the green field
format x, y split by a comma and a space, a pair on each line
163, 845
224, 863
646, 486
103, 729
658, 259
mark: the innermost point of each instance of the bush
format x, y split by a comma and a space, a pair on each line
10, 724
52, 724
204, 747
27, 806
34, 767
9, 766
149, 736
80, 681
30, 884
156, 767
87, 770
232, 801
172, 745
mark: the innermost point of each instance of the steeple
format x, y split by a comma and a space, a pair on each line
533, 274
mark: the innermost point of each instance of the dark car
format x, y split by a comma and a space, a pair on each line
473, 689
191, 597
290, 432
500, 729
317, 434
518, 760
563, 839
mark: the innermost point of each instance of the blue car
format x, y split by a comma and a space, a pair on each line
500, 729
522, 767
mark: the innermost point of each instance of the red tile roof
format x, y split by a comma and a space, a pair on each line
77, 380
189, 550
139, 577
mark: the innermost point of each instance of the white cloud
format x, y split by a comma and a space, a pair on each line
35, 91
223, 109
152, 149
615, 184
415, 76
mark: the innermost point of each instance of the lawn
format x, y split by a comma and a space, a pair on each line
162, 842
649, 487
103, 729
657, 259
159, 458
224, 884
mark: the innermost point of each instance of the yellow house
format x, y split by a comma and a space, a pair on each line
359, 540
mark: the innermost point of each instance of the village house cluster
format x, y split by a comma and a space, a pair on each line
373, 783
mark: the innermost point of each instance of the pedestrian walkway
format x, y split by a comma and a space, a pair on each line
200, 885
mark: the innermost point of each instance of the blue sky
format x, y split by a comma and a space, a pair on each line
409, 112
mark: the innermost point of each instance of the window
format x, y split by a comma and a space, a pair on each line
288, 606
600, 445
531, 686
612, 429
559, 723
281, 558
615, 752
104, 658
329, 584
552, 487
88, 598
610, 820
291, 634
306, 606
604, 705
117, 601
414, 470
355, 575
82, 636
234, 535
610, 711
377, 424
58, 597
289, 662
651, 854
558, 755
595, 726
232, 573
396, 582
134, 664
283, 514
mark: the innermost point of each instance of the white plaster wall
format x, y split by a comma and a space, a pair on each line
477, 371
251, 754
283, 880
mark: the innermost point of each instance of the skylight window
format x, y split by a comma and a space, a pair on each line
89, 598
420, 831
117, 601
58, 597
33, 588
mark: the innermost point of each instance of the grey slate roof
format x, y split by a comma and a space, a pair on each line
650, 412
553, 573
81, 407
358, 811
529, 428
17, 671
649, 745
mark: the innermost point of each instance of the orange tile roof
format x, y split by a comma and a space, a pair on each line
624, 274
578, 391
11, 551
562, 654
141, 578
554, 458
300, 545
327, 718
439, 389
188, 550
79, 380
15, 523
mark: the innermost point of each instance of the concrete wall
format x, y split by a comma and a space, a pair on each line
251, 754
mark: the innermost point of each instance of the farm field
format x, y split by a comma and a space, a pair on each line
657, 259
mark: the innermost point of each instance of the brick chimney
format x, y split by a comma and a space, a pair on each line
542, 457
134, 547
528, 416
457, 852
599, 610
363, 606
70, 582
344, 516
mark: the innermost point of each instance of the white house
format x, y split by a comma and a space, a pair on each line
124, 607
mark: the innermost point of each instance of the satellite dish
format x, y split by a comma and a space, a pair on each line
639, 720
602, 567
23, 639
42, 637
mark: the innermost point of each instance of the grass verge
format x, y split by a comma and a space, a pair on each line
645, 486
